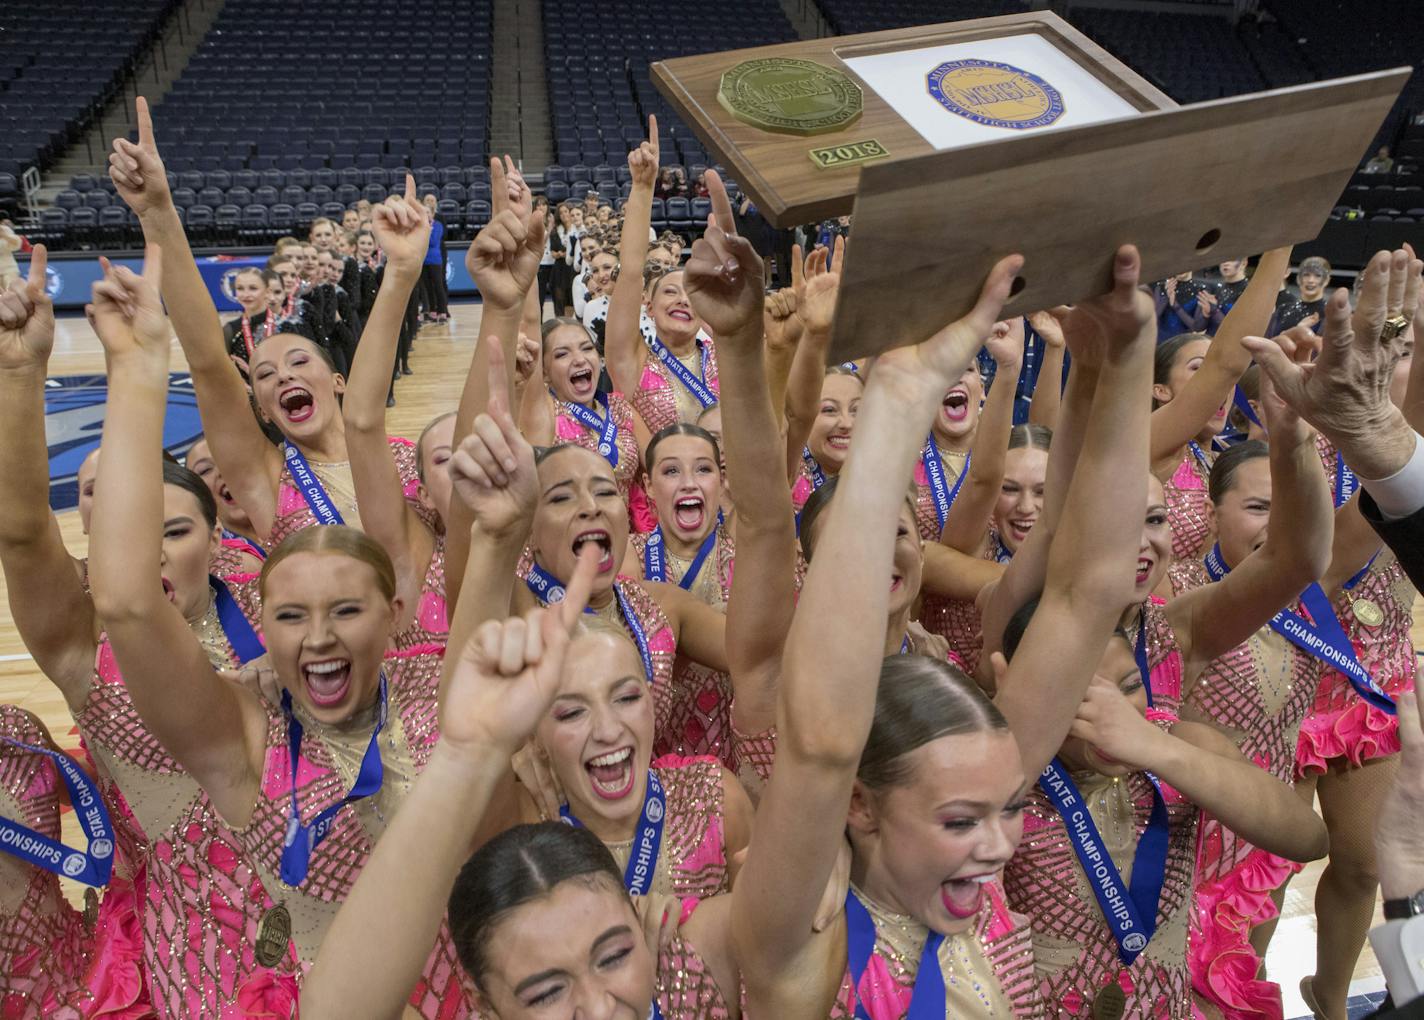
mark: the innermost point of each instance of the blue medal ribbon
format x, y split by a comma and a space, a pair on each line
655, 562
1202, 462
1345, 482
944, 496
236, 627
309, 485
1139, 653
1130, 913
927, 1000
813, 468
95, 863
694, 385
247, 544
643, 862
1325, 639
548, 590
905, 645
301, 839
1244, 406
605, 428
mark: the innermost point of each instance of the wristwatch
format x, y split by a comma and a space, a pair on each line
1404, 908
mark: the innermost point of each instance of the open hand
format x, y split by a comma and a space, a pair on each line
27, 319
136, 169
723, 277
1099, 329
402, 229
492, 470
822, 276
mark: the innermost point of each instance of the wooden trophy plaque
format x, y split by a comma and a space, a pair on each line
794, 123
954, 145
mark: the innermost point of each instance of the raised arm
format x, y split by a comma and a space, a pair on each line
784, 329
214, 729
51, 611
243, 454
815, 307
502, 682
833, 659
402, 229
504, 262
623, 346
1092, 559
964, 524
536, 407
1048, 387
1218, 617
1179, 420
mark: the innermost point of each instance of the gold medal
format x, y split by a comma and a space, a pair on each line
1110, 1003
274, 934
1367, 611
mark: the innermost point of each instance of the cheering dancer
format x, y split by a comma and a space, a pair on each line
307, 480
177, 865
672, 376
242, 554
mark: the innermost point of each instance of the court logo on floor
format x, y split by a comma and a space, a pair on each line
74, 423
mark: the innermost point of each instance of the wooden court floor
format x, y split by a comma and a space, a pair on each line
440, 360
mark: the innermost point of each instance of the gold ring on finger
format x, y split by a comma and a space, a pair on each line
1393, 327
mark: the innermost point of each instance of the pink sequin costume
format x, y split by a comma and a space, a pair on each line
293, 514
707, 725
1341, 724
1075, 953
1258, 692
925, 514
52, 964
568, 429
428, 632
987, 973
685, 988
329, 760
802, 487
1186, 494
201, 900
692, 861
230, 561
1164, 662
958, 621
656, 402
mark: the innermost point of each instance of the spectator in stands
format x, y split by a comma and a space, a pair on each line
10, 242
1179, 309
437, 299
699, 187
1380, 163
669, 186
549, 262
1225, 294
1307, 307
565, 241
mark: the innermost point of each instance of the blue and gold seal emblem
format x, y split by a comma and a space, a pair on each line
995, 95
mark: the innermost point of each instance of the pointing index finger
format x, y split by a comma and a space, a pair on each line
145, 123
721, 204
39, 260
499, 197
576, 592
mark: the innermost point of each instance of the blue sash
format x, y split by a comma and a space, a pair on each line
309, 485
235, 625
643, 863
1345, 482
905, 645
813, 468
247, 543
1325, 639
1131, 913
694, 384
944, 496
927, 1000
548, 590
655, 563
1202, 462
1139, 652
1244, 406
301, 839
605, 428
95, 863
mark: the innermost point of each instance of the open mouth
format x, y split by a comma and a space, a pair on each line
297, 404
962, 897
169, 592
680, 314
897, 581
1144, 569
955, 405
1220, 413
839, 441
327, 681
1020, 527
225, 494
611, 775
581, 380
605, 547
688, 513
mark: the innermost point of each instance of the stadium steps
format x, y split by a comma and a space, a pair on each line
157, 71
519, 96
